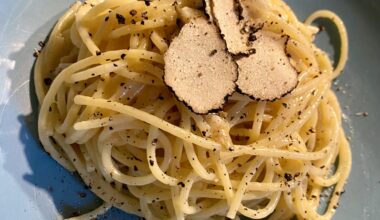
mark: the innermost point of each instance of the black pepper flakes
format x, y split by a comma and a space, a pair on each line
151, 162
288, 176
98, 53
123, 56
133, 12
48, 81
144, 15
147, 2
120, 19
106, 18
181, 184
193, 127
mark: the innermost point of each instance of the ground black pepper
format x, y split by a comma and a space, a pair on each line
120, 19
133, 12
48, 81
147, 2
288, 176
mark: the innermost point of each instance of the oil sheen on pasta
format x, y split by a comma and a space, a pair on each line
108, 116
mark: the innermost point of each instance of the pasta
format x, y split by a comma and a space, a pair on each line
109, 116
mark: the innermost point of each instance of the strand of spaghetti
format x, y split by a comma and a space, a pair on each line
238, 196
152, 142
296, 124
270, 152
345, 155
83, 32
54, 88
43, 63
102, 122
184, 195
191, 155
94, 213
134, 28
148, 118
116, 174
219, 207
97, 71
104, 6
159, 42
224, 178
139, 77
264, 212
342, 34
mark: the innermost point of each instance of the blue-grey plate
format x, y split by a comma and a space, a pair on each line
34, 186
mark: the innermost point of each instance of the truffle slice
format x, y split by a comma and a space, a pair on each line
198, 69
267, 74
233, 26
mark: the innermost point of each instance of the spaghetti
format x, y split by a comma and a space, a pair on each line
109, 116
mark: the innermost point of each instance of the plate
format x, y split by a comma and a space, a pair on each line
34, 186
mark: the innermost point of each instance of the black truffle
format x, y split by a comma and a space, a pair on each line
233, 27
201, 81
267, 74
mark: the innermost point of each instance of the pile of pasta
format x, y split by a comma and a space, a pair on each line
106, 114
